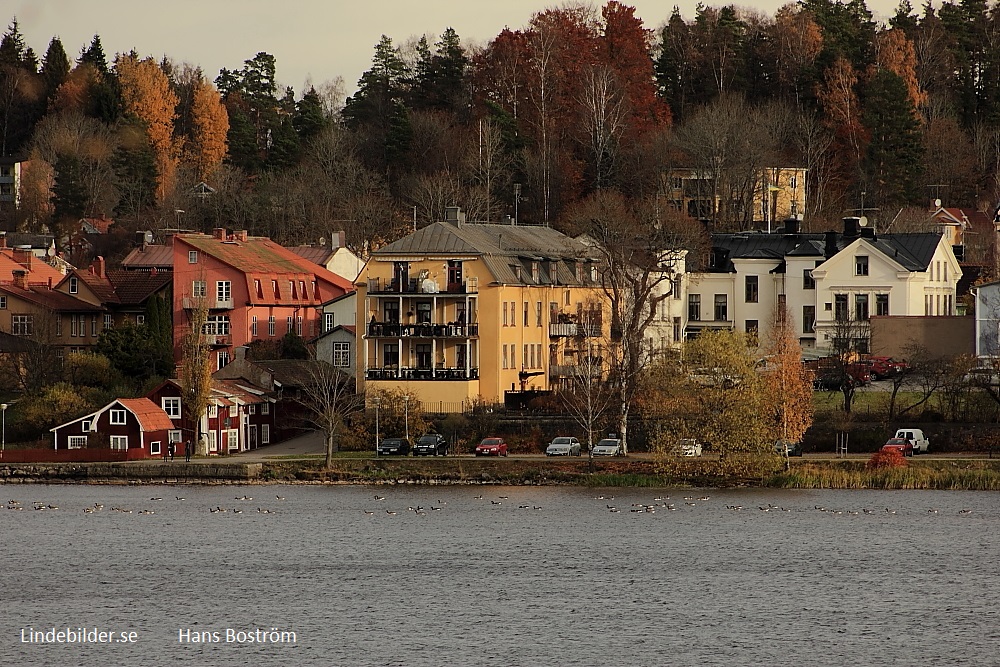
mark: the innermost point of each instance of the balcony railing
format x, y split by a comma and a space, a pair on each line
192, 302
407, 373
422, 330
218, 340
571, 329
576, 370
413, 286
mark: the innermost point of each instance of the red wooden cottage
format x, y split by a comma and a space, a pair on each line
136, 425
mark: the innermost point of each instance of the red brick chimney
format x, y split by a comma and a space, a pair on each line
20, 279
219, 233
97, 267
241, 235
22, 256
3, 240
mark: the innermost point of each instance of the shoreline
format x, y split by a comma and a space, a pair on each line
972, 474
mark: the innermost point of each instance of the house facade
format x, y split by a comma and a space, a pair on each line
459, 311
338, 347
830, 284
776, 193
136, 425
253, 288
240, 416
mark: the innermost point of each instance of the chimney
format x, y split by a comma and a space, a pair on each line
20, 278
831, 245
219, 233
241, 235
851, 227
341, 239
3, 240
868, 233
22, 255
791, 226
453, 215
97, 267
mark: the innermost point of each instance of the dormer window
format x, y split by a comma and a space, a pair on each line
74, 285
861, 265
534, 273
274, 288
291, 289
258, 289
579, 272
593, 273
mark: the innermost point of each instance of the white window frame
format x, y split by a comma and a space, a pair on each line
192, 256
213, 411
172, 406
211, 441
174, 435
270, 326
252, 409
253, 326
117, 417
328, 320
265, 408
199, 289
154, 448
223, 359
223, 290
87, 426
342, 355
76, 442
74, 285
265, 433
119, 442
233, 439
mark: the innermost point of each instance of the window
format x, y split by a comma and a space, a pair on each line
302, 289
808, 319
504, 356
342, 355
192, 256
22, 325
265, 409
524, 357
694, 307
882, 304
721, 308
154, 448
93, 326
223, 291
328, 321
234, 411
675, 287
74, 285
840, 311
291, 289
454, 272
265, 431
118, 417
252, 409
198, 289
390, 355
217, 325
861, 265
270, 325
74, 325
298, 325
505, 313
861, 306
119, 442
538, 313
172, 406
87, 426
233, 439
58, 325
751, 289
424, 312
253, 326
525, 313
76, 442
423, 356
258, 289
677, 329
534, 273
531, 359
808, 282
752, 327
139, 321
3, 303
213, 411
210, 441
289, 324
223, 359
274, 288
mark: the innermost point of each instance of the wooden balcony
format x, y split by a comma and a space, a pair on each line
422, 330
409, 373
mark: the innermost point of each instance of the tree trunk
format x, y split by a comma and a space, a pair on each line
331, 447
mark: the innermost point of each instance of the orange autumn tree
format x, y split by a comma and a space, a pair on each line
148, 97
788, 383
210, 124
895, 52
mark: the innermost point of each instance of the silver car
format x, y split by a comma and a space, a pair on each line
563, 446
609, 447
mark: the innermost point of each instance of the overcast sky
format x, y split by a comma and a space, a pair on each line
311, 40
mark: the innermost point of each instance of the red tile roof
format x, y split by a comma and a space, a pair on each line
134, 287
51, 299
319, 255
151, 416
147, 257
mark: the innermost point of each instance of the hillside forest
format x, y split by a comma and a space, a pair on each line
529, 124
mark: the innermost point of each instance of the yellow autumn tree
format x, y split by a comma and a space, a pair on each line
788, 384
210, 124
895, 52
147, 96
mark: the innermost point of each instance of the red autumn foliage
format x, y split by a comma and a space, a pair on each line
886, 459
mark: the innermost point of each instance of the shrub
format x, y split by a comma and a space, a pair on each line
888, 459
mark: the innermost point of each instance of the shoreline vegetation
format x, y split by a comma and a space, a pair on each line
930, 474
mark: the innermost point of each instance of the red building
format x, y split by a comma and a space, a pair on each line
254, 288
240, 416
136, 425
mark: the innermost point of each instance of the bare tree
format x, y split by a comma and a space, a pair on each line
329, 396
604, 110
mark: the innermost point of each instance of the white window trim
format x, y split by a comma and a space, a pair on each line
113, 414
76, 442
171, 402
119, 442
192, 256
154, 448
174, 435
265, 433
265, 408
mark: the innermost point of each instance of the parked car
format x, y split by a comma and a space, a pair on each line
901, 445
432, 444
916, 437
398, 446
492, 447
689, 447
884, 367
786, 448
608, 447
563, 446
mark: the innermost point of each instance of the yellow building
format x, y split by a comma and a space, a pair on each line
458, 311
777, 193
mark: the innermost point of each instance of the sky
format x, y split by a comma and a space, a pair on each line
312, 41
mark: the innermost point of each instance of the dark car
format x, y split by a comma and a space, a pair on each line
492, 447
397, 446
430, 444
785, 448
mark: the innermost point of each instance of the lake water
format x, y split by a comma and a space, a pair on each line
522, 576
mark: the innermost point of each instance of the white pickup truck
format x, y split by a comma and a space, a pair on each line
916, 437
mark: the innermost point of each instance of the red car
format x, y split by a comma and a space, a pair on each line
492, 447
885, 367
901, 445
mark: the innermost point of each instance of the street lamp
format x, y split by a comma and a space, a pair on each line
406, 415
3, 427
376, 401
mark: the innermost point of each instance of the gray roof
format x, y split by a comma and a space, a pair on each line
508, 251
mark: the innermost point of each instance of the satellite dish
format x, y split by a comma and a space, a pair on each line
863, 221
937, 202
